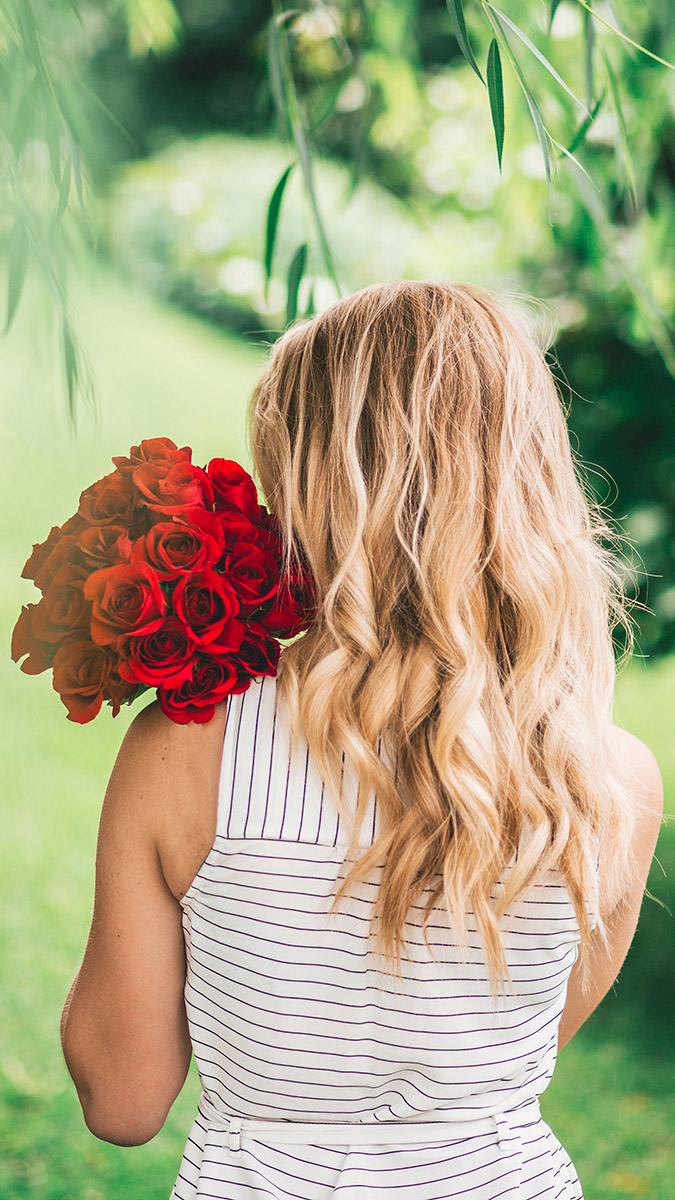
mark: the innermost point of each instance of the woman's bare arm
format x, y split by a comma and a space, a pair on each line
642, 772
124, 1029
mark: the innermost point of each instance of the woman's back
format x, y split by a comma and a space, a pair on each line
291, 1018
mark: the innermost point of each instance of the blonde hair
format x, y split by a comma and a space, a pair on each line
413, 445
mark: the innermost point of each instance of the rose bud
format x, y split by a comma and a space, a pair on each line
233, 487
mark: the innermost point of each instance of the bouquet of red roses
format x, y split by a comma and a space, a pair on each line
168, 576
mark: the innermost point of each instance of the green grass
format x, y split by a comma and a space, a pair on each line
161, 373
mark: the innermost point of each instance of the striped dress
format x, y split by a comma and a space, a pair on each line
323, 1077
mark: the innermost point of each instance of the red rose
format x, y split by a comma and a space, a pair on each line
104, 545
258, 653
81, 672
74, 524
63, 608
169, 493
125, 599
111, 501
174, 547
233, 487
24, 641
294, 605
253, 573
236, 527
161, 658
195, 700
206, 603
153, 452
34, 566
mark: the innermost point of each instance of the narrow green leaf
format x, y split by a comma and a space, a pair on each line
310, 310
496, 92
537, 53
276, 73
540, 128
77, 171
17, 264
70, 365
589, 48
308, 175
25, 114
64, 194
554, 4
295, 274
541, 134
572, 157
580, 135
456, 10
273, 211
53, 139
624, 156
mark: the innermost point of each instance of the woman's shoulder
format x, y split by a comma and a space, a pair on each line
639, 769
173, 772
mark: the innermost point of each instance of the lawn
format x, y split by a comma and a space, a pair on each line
611, 1101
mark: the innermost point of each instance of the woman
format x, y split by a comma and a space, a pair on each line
377, 894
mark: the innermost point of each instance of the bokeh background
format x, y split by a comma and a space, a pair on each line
146, 274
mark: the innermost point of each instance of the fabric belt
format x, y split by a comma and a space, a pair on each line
353, 1133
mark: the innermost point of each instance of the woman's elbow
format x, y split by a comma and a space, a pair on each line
121, 1124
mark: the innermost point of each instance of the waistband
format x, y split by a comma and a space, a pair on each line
360, 1133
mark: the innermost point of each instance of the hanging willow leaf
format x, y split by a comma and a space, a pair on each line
273, 211
53, 139
496, 92
589, 47
295, 274
580, 135
537, 53
542, 136
310, 310
308, 175
25, 114
17, 264
624, 156
276, 73
69, 364
540, 128
551, 12
64, 193
456, 10
77, 171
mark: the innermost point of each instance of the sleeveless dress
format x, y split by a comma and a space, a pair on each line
322, 1077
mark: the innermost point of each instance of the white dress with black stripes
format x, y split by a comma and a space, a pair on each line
293, 1022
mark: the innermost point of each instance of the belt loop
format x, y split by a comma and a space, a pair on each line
234, 1139
503, 1130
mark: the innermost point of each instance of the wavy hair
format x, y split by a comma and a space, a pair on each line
413, 445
